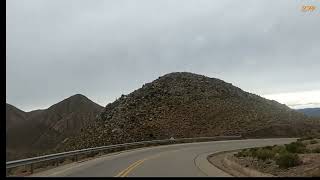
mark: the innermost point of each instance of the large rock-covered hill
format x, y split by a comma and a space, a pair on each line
184, 104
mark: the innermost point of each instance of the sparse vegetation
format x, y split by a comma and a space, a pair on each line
285, 156
280, 158
279, 150
296, 147
242, 153
264, 154
286, 160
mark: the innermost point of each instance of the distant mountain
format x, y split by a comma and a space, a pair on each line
14, 116
36, 132
313, 112
184, 104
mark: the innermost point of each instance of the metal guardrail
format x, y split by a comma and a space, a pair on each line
33, 160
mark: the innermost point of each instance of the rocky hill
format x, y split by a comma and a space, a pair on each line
312, 112
189, 105
36, 132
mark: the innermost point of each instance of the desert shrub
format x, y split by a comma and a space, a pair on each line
296, 147
279, 149
313, 141
243, 153
239, 154
287, 160
264, 154
253, 152
267, 147
316, 150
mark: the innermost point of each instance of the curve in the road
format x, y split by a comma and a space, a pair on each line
183, 160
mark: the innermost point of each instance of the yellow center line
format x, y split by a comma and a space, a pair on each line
128, 168
126, 171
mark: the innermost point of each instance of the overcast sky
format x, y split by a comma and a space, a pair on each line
105, 48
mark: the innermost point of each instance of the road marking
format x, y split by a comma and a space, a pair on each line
126, 171
114, 156
94, 160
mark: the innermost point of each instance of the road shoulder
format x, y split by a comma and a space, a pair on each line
202, 163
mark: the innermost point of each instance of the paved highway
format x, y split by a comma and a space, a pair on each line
181, 160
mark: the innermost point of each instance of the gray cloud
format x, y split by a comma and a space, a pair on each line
103, 49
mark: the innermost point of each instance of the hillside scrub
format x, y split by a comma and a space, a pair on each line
286, 160
285, 156
296, 147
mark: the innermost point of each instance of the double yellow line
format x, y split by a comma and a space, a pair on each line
126, 171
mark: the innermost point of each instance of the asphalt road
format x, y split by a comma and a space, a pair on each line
179, 160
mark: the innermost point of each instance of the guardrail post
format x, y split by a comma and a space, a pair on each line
76, 158
31, 168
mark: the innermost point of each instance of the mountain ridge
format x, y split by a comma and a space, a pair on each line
42, 130
312, 112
